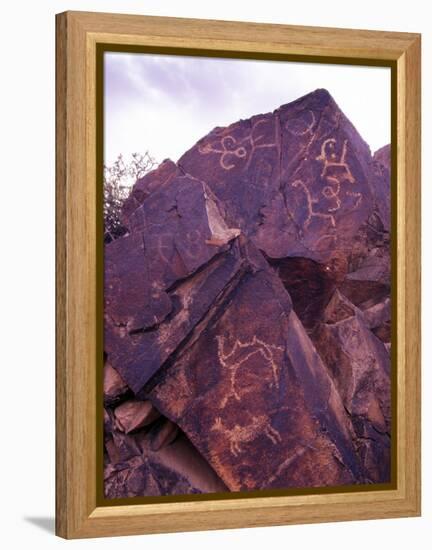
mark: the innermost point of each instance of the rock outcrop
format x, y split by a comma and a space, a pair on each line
247, 312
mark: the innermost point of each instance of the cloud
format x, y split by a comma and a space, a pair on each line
166, 103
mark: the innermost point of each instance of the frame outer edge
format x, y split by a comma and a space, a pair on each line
75, 513
61, 447
413, 271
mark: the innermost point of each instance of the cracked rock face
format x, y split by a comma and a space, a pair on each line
296, 181
248, 313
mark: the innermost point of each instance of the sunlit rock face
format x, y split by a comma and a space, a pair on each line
248, 313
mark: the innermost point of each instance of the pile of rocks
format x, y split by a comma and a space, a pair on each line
247, 312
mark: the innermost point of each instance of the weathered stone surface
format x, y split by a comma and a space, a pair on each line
297, 181
150, 305
147, 455
255, 389
310, 284
144, 186
134, 414
114, 386
383, 157
378, 319
381, 184
163, 434
359, 365
175, 469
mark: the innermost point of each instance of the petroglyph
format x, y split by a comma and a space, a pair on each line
290, 460
309, 129
358, 197
164, 248
239, 152
194, 243
331, 191
329, 158
229, 145
239, 435
254, 141
325, 237
229, 361
310, 206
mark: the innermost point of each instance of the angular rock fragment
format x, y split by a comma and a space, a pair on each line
150, 303
381, 184
252, 390
134, 414
378, 319
359, 365
114, 386
297, 181
163, 434
175, 469
310, 285
144, 186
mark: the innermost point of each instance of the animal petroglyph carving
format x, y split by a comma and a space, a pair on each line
239, 435
230, 147
239, 354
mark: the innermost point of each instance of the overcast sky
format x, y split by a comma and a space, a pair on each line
164, 104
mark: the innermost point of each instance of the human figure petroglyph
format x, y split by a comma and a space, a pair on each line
229, 145
332, 190
228, 361
163, 249
329, 158
310, 201
239, 435
335, 180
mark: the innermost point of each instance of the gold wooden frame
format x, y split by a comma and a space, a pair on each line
78, 36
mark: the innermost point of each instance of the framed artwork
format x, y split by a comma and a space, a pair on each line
238, 274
